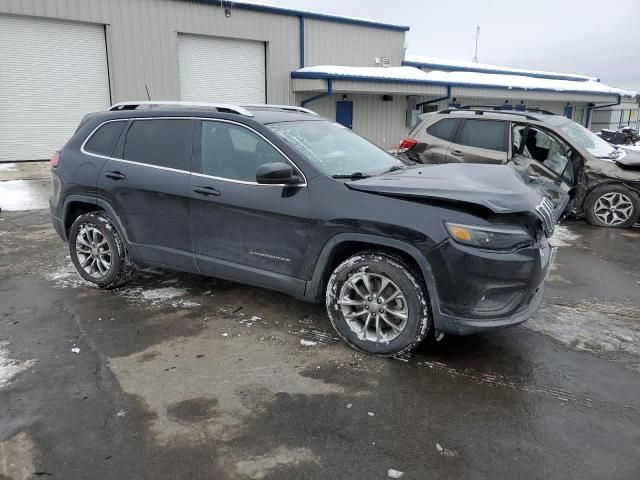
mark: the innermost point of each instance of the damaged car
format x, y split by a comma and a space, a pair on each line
281, 198
602, 180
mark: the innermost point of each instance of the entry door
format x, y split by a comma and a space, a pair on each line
568, 111
344, 113
252, 233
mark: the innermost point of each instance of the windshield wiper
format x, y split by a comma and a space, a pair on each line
352, 176
393, 168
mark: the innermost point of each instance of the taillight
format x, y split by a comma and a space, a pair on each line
407, 144
55, 159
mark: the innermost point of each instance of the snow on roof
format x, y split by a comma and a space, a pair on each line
271, 8
407, 74
447, 64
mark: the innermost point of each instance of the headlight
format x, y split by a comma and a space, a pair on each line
491, 238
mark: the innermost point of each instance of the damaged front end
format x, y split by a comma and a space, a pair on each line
490, 270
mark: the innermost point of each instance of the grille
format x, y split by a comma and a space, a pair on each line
545, 212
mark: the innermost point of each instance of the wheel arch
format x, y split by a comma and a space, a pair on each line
76, 205
341, 246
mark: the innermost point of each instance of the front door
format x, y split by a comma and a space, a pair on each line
252, 233
545, 159
146, 184
344, 113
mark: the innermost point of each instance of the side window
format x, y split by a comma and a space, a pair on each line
233, 152
487, 134
444, 129
104, 140
550, 152
164, 143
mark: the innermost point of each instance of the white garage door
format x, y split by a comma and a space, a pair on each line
221, 70
52, 73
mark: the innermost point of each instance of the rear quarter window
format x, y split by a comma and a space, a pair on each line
104, 140
444, 129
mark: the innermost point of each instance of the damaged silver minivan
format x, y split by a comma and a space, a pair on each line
603, 180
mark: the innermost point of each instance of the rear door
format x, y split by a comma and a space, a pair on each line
480, 141
434, 141
146, 183
242, 230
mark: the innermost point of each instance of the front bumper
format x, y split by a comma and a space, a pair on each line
480, 291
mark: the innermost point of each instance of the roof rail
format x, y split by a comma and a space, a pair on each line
220, 107
506, 108
293, 108
482, 111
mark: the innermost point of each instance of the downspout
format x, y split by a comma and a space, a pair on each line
435, 100
301, 42
316, 97
589, 109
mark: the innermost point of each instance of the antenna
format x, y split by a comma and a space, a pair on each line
147, 89
475, 57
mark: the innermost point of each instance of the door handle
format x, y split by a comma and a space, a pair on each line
115, 175
207, 191
457, 152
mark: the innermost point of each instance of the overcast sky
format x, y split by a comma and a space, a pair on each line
590, 37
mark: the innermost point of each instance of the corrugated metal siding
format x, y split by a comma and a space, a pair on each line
221, 69
330, 43
52, 73
142, 38
383, 123
386, 87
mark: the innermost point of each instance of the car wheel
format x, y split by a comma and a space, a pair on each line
377, 304
98, 252
612, 206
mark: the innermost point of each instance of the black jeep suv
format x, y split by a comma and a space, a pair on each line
282, 198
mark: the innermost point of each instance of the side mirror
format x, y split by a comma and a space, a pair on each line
276, 173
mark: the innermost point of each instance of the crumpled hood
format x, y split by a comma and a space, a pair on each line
498, 187
632, 158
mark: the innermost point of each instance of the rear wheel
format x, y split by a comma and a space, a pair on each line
377, 305
98, 252
612, 206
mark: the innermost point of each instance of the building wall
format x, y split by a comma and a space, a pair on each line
142, 40
383, 123
329, 43
613, 118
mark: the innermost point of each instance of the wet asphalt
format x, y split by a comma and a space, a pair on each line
180, 376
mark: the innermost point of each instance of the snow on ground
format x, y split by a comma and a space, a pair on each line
6, 167
159, 296
9, 367
68, 277
563, 237
587, 328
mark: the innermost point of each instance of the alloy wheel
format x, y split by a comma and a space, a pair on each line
93, 252
613, 208
374, 307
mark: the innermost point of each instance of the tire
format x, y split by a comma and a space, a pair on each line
116, 268
342, 302
623, 211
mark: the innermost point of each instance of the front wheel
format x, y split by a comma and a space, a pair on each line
612, 206
98, 252
377, 305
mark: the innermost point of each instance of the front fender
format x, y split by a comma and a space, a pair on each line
313, 288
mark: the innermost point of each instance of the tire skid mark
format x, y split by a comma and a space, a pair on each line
540, 390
